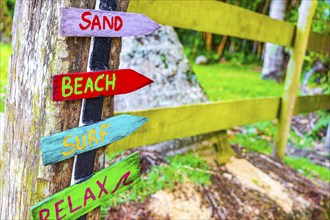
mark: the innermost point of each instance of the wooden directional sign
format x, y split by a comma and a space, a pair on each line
78, 199
94, 84
80, 22
78, 140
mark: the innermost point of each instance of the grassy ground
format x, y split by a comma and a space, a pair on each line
220, 82
229, 81
5, 51
162, 177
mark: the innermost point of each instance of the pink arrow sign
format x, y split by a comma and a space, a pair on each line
78, 22
73, 86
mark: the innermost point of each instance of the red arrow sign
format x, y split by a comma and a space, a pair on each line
73, 86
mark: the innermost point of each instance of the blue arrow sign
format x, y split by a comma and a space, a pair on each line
69, 143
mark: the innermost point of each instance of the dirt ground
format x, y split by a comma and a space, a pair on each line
250, 186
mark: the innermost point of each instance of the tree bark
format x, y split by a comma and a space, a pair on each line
274, 54
260, 48
38, 52
221, 46
209, 40
327, 138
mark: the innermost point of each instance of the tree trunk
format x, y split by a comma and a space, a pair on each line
274, 54
209, 40
232, 46
327, 138
38, 52
222, 46
260, 49
174, 84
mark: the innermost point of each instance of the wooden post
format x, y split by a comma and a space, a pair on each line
216, 149
306, 12
84, 197
104, 55
37, 53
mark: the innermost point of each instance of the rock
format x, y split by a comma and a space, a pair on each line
178, 205
159, 56
227, 176
201, 60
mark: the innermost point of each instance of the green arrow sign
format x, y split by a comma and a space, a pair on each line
79, 199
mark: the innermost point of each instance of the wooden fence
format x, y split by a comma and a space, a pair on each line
219, 18
179, 122
225, 19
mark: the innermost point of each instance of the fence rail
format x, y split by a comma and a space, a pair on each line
318, 42
225, 19
189, 120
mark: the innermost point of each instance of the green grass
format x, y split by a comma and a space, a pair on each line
230, 81
179, 170
307, 168
257, 143
5, 51
220, 82
256, 137
252, 142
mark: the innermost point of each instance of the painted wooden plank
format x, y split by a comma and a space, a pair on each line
319, 42
189, 120
98, 59
292, 77
311, 103
66, 144
216, 17
83, 197
179, 122
80, 22
73, 86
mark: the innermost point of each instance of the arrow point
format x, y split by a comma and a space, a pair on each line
148, 81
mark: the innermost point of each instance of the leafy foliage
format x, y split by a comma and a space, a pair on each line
321, 19
11, 6
308, 139
322, 123
5, 51
6, 20
240, 51
194, 45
